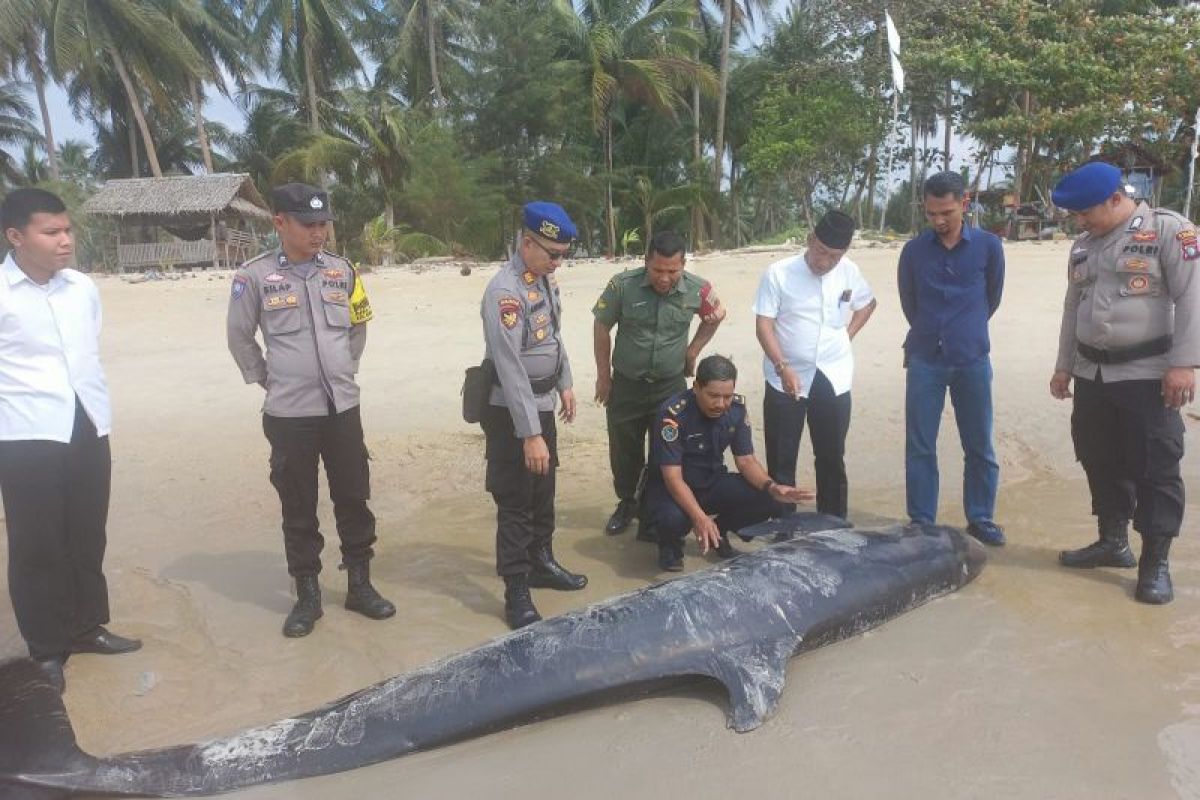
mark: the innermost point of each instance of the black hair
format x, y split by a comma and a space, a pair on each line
666, 243
20, 206
715, 368
946, 183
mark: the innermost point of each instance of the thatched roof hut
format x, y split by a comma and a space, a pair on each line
223, 206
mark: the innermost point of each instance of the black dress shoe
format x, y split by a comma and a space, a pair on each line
52, 668
620, 519
104, 642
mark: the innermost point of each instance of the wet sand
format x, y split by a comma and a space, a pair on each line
1033, 682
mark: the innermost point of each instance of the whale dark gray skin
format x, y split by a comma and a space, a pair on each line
738, 622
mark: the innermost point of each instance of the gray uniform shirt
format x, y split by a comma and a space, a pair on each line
1133, 285
522, 331
312, 349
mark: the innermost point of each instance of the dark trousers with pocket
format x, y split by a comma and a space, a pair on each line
56, 509
632, 409
524, 501
828, 417
297, 444
1130, 446
729, 498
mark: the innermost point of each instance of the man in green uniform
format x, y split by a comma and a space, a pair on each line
652, 308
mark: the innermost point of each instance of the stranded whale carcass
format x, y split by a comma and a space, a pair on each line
738, 623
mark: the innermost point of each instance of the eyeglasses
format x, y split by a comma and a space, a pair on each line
555, 255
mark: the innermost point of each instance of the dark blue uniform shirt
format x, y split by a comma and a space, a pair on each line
949, 295
684, 436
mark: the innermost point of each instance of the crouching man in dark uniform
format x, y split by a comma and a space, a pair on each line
522, 328
689, 486
1130, 338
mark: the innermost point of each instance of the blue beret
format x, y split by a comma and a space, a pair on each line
1088, 186
551, 221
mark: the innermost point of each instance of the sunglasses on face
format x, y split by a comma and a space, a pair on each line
554, 255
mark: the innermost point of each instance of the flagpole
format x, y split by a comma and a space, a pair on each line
887, 176
1187, 204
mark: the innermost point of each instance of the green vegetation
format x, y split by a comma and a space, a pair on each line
432, 121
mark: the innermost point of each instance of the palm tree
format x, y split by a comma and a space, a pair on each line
371, 142
732, 14
15, 127
312, 42
74, 157
217, 34
137, 39
417, 41
22, 36
623, 50
270, 131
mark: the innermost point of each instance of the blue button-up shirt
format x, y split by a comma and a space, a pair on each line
949, 295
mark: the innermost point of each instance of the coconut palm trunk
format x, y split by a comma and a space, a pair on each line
201, 129
722, 97
431, 44
34, 63
608, 197
135, 107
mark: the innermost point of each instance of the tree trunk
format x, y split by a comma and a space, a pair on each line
608, 199
33, 62
912, 181
726, 35
310, 86
131, 94
697, 153
131, 140
201, 130
733, 201
389, 219
431, 43
949, 120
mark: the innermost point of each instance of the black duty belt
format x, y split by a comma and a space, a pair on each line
539, 385
1154, 347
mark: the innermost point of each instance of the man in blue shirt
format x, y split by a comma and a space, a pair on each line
951, 278
689, 487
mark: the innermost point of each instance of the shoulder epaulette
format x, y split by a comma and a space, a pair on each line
677, 406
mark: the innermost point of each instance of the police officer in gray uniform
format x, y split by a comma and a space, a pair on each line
522, 329
312, 310
1131, 340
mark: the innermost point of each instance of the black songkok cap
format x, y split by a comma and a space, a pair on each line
835, 230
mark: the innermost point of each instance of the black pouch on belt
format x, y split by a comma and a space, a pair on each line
476, 389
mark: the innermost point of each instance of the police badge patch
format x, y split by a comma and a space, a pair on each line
670, 430
239, 287
510, 310
1188, 246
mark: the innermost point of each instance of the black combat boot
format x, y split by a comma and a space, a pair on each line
361, 595
1111, 550
549, 574
307, 610
1154, 578
620, 519
518, 605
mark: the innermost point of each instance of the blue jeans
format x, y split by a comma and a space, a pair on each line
925, 396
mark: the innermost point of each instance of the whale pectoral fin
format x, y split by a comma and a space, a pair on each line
754, 677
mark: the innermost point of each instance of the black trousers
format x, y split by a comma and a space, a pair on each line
735, 503
632, 409
296, 445
56, 508
828, 416
1130, 446
524, 501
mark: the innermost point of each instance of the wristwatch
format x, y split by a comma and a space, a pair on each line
779, 366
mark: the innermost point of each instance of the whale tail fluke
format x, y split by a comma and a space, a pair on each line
36, 738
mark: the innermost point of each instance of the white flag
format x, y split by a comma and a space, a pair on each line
894, 46
897, 75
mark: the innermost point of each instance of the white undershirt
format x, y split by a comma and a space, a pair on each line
811, 314
49, 354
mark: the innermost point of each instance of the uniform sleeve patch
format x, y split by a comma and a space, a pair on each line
360, 306
1188, 246
670, 430
510, 311
709, 302
239, 286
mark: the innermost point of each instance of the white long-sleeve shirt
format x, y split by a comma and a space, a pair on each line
811, 314
49, 355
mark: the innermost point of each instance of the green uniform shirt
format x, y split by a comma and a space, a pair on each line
652, 329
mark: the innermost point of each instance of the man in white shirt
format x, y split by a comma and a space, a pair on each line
808, 308
55, 464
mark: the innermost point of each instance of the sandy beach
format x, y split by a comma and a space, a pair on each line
1033, 682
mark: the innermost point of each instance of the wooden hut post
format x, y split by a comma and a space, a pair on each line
120, 264
212, 223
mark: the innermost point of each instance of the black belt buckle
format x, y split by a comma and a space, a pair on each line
1154, 347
